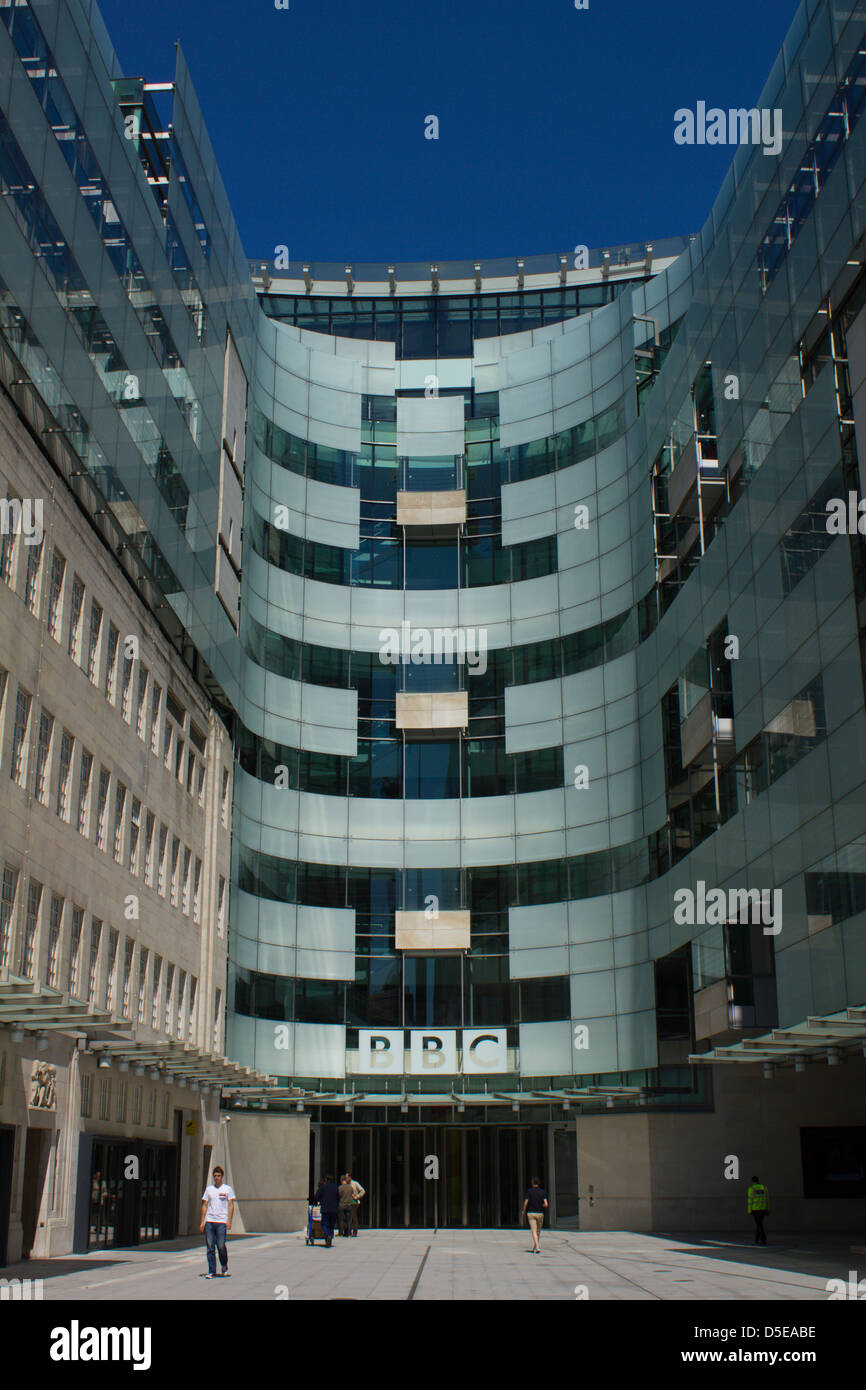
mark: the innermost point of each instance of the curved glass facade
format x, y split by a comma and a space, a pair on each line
515, 587
636, 471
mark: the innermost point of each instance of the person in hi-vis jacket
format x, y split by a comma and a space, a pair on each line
759, 1206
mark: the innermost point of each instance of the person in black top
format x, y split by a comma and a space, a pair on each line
328, 1198
534, 1207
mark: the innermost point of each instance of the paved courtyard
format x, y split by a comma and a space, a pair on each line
454, 1265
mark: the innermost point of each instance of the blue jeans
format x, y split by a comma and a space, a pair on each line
329, 1221
215, 1234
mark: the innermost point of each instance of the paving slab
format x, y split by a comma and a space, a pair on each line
450, 1266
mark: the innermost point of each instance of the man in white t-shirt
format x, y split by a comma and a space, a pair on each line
217, 1210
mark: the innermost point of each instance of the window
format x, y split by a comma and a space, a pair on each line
103, 1084
128, 956
156, 987
43, 750
149, 823
84, 771
110, 686
7, 914
155, 701
18, 765
134, 835
221, 908
181, 1000
190, 772
166, 744
200, 788
151, 1106
120, 1109
73, 635
175, 709
175, 860
55, 593
102, 808
141, 715
31, 583
93, 970
136, 1105
7, 556
187, 880
75, 951
126, 688
178, 759
162, 859
31, 926
169, 991
218, 999
86, 1094
196, 892
164, 1110
111, 969
93, 641
55, 924
143, 958
225, 798
193, 993
119, 809
197, 738
67, 745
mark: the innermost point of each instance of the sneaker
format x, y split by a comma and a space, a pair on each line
207, 1276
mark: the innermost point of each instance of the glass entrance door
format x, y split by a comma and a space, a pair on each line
484, 1172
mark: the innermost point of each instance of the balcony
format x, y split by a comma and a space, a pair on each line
711, 720
431, 509
699, 455
428, 712
447, 931
733, 1006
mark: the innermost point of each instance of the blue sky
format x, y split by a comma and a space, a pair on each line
556, 125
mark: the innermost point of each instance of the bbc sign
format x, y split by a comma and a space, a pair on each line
432, 1052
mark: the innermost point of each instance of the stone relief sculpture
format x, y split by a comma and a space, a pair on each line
44, 1083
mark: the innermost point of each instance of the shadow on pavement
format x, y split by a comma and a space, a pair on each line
107, 1259
797, 1254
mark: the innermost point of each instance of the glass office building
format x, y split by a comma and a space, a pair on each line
515, 585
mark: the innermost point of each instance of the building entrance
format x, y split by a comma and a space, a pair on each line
484, 1171
131, 1205
7, 1153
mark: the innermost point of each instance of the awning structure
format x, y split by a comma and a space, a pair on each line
180, 1064
284, 1097
27, 1007
826, 1038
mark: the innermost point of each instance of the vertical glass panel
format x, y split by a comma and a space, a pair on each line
432, 991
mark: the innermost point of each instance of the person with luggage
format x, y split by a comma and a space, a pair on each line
217, 1210
327, 1198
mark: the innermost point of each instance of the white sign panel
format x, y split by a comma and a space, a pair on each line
380, 1051
485, 1051
432, 1051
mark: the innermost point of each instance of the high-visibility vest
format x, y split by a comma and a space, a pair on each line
759, 1197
